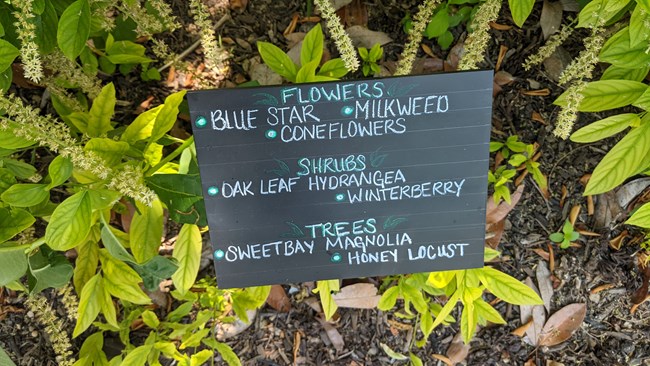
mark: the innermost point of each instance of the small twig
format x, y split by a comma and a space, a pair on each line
193, 46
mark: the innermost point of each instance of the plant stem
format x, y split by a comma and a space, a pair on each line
171, 156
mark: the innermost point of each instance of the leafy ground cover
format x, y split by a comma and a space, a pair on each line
598, 277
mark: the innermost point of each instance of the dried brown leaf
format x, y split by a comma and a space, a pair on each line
551, 261
503, 78
355, 13
494, 234
458, 350
573, 216
442, 358
551, 18
292, 25
501, 27
600, 288
629, 191
357, 296
333, 334
561, 325
535, 313
364, 37
521, 331
428, 50
545, 284
496, 213
538, 118
537, 93
542, 253
278, 299
238, 5
502, 54
642, 292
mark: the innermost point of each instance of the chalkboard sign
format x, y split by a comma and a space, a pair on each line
345, 179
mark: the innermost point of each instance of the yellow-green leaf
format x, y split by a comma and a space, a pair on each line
508, 288
187, 252
166, 118
312, 46
89, 304
520, 10
388, 299
446, 310
626, 158
200, 358
108, 308
146, 231
141, 127
138, 356
226, 353
487, 312
277, 60
70, 222
468, 322
86, 264
605, 127
150, 319
606, 94
440, 279
109, 150
618, 51
122, 281
25, 194
641, 217
325, 289
60, 170
621, 73
99, 117
392, 354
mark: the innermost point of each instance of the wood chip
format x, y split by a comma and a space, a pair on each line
600, 288
458, 350
538, 118
292, 25
537, 93
573, 216
565, 192
333, 334
502, 54
428, 50
590, 205
542, 253
588, 233
501, 27
442, 358
617, 242
551, 261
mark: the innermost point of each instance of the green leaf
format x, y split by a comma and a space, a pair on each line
126, 52
388, 299
25, 194
167, 116
122, 281
487, 312
46, 28
556, 237
74, 28
60, 170
392, 354
5, 360
227, 354
146, 231
7, 179
7, 54
644, 100
641, 217
150, 319
195, 338
618, 52
92, 350
334, 68
277, 60
414, 295
109, 150
187, 251
626, 158
639, 32
606, 94
605, 128
312, 46
182, 195
86, 264
567, 227
141, 127
415, 360
138, 356
446, 310
108, 308
13, 263
155, 271
99, 118
573, 236
621, 73
325, 289
490, 254
445, 40
508, 288
520, 10
468, 322
201, 357
89, 304
19, 168
598, 12
48, 270
114, 244
307, 72
70, 223
5, 80
438, 24
12, 222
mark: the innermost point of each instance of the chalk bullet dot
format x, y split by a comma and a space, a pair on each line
336, 257
340, 197
219, 254
271, 134
213, 191
347, 110
201, 122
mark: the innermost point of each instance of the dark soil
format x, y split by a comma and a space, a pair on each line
611, 333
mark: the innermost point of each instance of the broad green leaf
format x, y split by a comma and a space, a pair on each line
169, 349
91, 350
312, 46
325, 289
520, 10
277, 60
617, 51
48, 270
153, 154
508, 288
490, 254
641, 217
187, 251
150, 319
182, 195
137, 357
126, 52
25, 194
388, 299
46, 28
606, 94
60, 170
438, 24
5, 360
556, 237
109, 150
112, 239
108, 308
89, 304
86, 264
103, 199
639, 31
392, 354
167, 116
155, 271
7, 54
5, 80
99, 116
604, 128
415, 360
468, 322
19, 168
307, 72
13, 263
446, 310
224, 350
598, 12
645, 4
334, 68
70, 223
146, 231
201, 357
122, 281
626, 158
12, 222
440, 279
621, 73
644, 101
194, 339
426, 323
74, 28
487, 312
414, 295
141, 127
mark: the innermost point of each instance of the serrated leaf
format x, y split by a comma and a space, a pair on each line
146, 231
277, 60
122, 281
508, 288
48, 269
74, 28
155, 271
312, 46
89, 304
520, 10
101, 111
623, 160
70, 223
606, 94
187, 251
182, 195
604, 128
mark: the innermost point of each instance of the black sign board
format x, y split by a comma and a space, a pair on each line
345, 179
